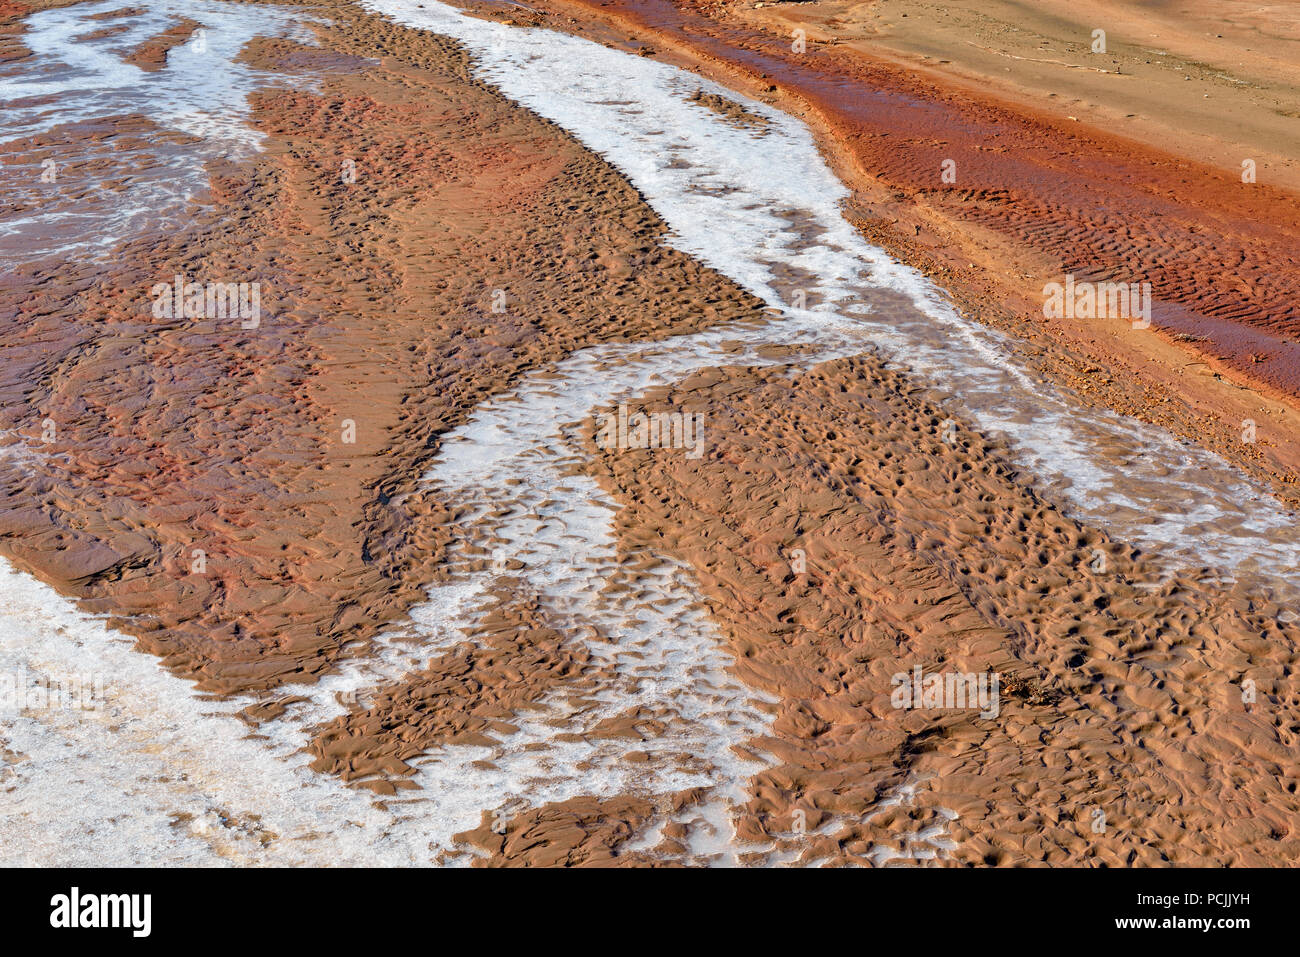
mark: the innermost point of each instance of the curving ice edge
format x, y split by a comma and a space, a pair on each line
762, 208
78, 75
148, 773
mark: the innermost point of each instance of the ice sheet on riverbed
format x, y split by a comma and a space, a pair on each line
100, 187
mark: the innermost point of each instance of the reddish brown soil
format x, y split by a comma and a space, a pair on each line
180, 435
176, 435
152, 54
1222, 252
581, 832
462, 697
918, 552
11, 28
1036, 197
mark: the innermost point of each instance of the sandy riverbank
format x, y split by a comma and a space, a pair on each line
1041, 191
174, 436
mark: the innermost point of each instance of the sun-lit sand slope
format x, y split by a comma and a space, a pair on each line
1212, 80
407, 606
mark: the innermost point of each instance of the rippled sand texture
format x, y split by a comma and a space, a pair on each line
174, 436
377, 297
1122, 682
784, 237
472, 637
1051, 175
111, 120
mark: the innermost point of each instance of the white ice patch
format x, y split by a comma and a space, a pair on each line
154, 774
762, 207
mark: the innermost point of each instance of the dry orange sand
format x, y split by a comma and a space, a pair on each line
1214, 82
